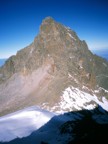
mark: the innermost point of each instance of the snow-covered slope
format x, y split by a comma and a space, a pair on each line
22, 123
74, 99
37, 126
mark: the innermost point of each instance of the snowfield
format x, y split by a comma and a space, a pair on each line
22, 123
39, 125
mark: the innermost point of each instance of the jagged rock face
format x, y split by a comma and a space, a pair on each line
67, 52
55, 60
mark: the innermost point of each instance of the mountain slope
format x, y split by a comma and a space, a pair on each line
57, 59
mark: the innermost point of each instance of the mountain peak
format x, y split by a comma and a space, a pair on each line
56, 60
48, 19
47, 25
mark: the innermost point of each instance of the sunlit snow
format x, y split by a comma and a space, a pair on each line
22, 123
74, 99
71, 36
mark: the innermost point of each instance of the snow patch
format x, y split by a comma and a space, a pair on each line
100, 88
72, 78
31, 51
71, 36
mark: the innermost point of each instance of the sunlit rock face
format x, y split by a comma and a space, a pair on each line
41, 72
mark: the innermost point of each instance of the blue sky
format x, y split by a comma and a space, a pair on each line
20, 21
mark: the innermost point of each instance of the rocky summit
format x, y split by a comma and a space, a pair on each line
56, 71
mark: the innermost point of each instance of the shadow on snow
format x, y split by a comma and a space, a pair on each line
79, 127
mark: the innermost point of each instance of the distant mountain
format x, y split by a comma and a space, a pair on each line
2, 61
56, 71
